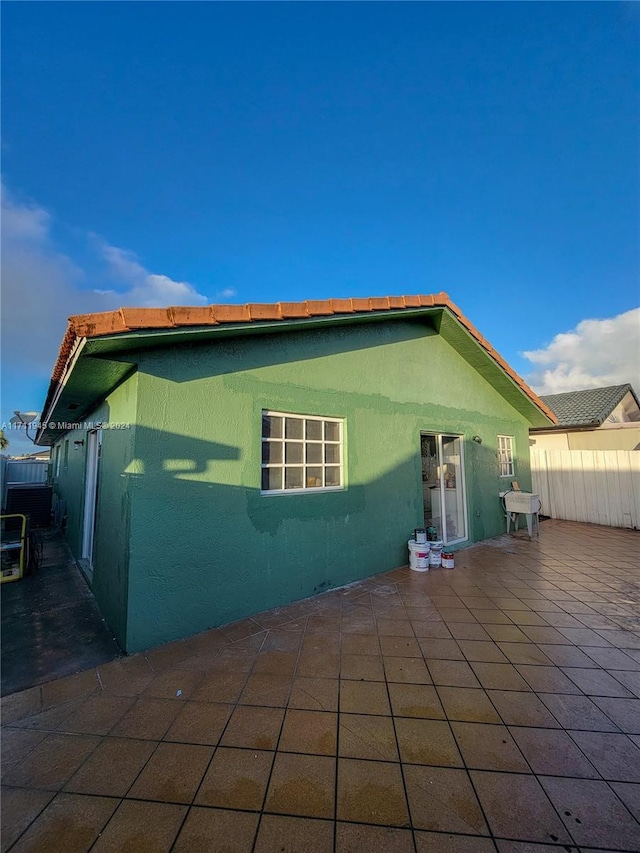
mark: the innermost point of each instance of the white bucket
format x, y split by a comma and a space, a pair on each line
435, 555
418, 556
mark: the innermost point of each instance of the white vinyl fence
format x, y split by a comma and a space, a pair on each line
596, 486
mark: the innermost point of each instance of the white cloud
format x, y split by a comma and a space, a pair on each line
594, 354
145, 289
42, 286
26, 223
227, 293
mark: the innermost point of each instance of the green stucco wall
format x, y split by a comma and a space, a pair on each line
206, 548
112, 530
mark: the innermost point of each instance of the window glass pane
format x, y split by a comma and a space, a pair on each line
314, 478
505, 455
271, 479
314, 430
293, 427
301, 453
293, 478
271, 426
332, 475
293, 452
272, 451
332, 453
331, 431
314, 454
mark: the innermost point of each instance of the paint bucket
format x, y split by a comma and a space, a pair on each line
432, 534
435, 554
448, 561
420, 535
418, 556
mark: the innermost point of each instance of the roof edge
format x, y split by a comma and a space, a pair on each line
121, 320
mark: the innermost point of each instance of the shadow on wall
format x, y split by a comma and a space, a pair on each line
234, 356
181, 546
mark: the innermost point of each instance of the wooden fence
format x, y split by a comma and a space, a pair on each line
596, 486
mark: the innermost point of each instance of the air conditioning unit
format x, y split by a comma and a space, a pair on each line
522, 502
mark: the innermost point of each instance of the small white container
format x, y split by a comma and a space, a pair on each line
418, 556
420, 535
435, 555
448, 561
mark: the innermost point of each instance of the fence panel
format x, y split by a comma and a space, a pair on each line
594, 486
19, 471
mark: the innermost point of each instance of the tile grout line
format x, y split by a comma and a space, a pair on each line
190, 805
161, 740
275, 749
533, 775
608, 596
395, 731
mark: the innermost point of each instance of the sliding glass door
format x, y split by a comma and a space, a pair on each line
443, 488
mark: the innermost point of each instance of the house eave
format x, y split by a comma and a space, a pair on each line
116, 350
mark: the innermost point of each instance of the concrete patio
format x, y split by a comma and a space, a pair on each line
51, 624
495, 707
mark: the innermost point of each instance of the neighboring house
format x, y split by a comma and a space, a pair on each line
595, 419
219, 461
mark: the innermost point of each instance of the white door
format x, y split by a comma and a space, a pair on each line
443, 486
94, 442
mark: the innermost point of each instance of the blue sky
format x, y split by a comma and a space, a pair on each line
165, 153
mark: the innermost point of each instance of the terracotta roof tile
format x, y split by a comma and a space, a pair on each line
319, 308
293, 310
136, 319
380, 304
230, 313
428, 300
396, 302
146, 318
451, 305
66, 348
104, 323
184, 315
264, 311
342, 306
411, 301
361, 304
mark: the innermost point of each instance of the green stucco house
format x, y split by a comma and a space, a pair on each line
210, 463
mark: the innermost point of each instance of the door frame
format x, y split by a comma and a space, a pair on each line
439, 435
92, 465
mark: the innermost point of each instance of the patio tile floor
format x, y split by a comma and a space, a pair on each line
495, 707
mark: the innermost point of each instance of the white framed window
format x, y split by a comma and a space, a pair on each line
505, 455
301, 453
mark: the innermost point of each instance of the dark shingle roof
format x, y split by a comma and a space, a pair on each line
586, 408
